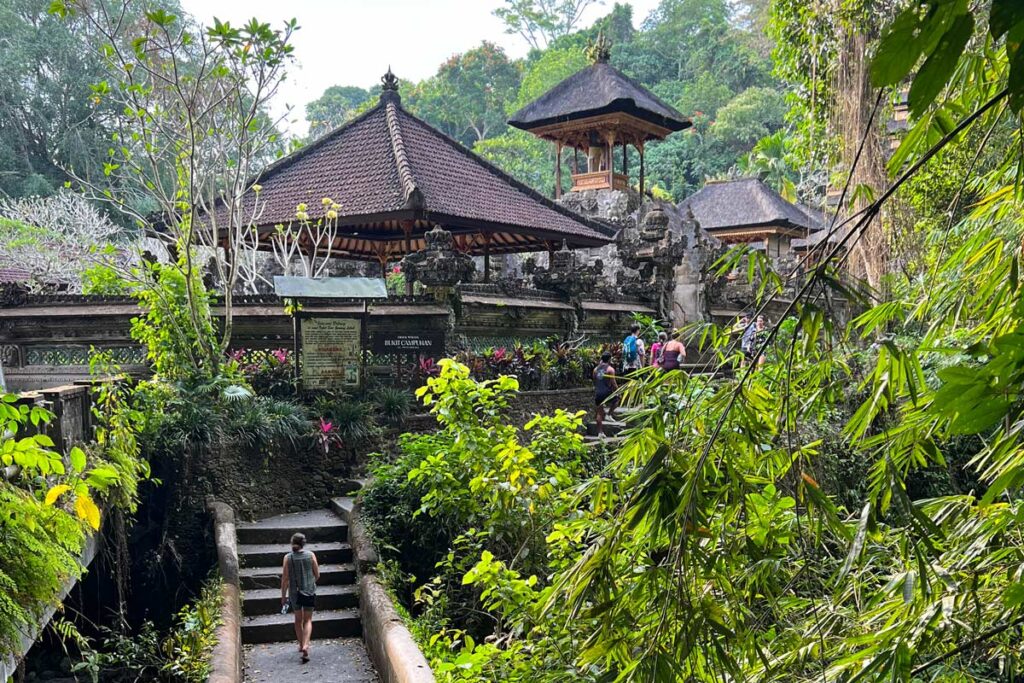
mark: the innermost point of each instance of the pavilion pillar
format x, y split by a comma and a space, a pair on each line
407, 229
558, 170
641, 148
487, 257
610, 137
625, 161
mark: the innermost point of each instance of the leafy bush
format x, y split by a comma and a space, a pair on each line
348, 421
549, 364
475, 485
268, 372
393, 403
50, 504
181, 656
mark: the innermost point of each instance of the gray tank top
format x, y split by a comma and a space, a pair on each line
300, 573
602, 386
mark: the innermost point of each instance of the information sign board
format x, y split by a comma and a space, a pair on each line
330, 352
420, 342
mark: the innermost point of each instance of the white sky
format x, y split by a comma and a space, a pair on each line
352, 42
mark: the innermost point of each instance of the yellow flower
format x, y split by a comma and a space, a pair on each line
302, 215
326, 201
257, 188
332, 214
301, 207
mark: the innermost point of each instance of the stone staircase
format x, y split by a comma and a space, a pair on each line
262, 546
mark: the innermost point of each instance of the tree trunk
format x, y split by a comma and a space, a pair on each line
869, 257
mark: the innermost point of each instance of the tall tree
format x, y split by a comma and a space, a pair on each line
195, 135
541, 21
336, 106
470, 93
49, 120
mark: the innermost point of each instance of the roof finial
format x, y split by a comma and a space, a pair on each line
600, 51
389, 87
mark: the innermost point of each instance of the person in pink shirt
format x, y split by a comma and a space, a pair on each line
656, 349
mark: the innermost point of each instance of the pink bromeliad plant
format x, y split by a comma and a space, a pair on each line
327, 437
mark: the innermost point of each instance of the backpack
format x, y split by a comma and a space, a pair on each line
629, 349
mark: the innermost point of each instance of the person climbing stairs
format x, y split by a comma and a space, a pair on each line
271, 654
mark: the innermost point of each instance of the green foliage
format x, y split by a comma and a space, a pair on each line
753, 114
393, 404
541, 21
103, 280
177, 326
469, 95
270, 373
180, 656
51, 502
349, 422
338, 104
475, 498
47, 67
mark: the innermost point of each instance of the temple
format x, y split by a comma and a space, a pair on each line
392, 178
746, 211
598, 111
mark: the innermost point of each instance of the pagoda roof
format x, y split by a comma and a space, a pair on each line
599, 89
747, 203
390, 171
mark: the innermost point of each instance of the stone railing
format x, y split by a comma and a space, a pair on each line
71, 405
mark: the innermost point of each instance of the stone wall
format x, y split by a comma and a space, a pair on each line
47, 340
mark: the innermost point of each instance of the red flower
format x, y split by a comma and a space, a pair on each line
280, 354
325, 426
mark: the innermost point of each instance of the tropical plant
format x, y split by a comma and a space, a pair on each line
182, 655
51, 503
393, 404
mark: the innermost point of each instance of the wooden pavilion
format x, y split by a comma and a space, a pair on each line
594, 111
745, 210
392, 178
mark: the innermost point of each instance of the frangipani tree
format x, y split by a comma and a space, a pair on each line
309, 242
191, 135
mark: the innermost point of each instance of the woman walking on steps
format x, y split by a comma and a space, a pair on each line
299, 575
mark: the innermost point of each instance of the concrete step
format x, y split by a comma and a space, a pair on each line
268, 600
611, 427
272, 628
253, 578
604, 441
264, 555
319, 526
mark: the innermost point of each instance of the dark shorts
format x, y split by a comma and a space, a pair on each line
301, 601
603, 399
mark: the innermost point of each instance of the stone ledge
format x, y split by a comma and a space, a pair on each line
394, 651
226, 657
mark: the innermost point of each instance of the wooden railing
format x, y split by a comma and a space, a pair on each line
599, 180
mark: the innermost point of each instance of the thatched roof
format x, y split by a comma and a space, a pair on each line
389, 171
747, 203
598, 89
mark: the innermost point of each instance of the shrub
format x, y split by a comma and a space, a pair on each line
181, 656
268, 372
393, 403
474, 485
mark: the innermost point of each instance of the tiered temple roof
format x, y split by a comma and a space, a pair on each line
396, 177
596, 110
598, 90
746, 209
